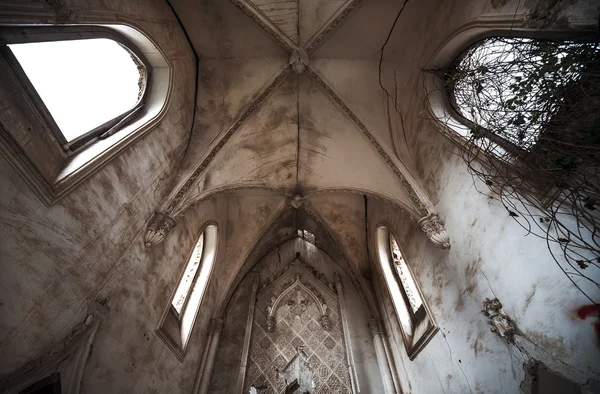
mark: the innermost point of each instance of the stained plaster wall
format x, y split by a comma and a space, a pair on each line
84, 254
491, 256
230, 350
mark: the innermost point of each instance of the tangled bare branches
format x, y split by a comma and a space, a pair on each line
532, 108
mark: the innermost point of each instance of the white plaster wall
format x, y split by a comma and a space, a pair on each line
491, 256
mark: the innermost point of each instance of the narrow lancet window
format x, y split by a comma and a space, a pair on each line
185, 285
176, 326
406, 279
404, 298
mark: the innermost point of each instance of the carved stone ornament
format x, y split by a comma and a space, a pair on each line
435, 231
325, 322
298, 61
158, 228
297, 201
298, 296
500, 323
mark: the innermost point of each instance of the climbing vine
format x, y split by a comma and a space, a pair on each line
532, 109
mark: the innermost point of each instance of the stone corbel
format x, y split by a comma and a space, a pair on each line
160, 225
435, 231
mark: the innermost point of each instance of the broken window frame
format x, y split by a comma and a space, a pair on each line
26, 139
19, 35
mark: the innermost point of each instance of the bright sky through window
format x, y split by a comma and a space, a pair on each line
408, 283
83, 83
183, 290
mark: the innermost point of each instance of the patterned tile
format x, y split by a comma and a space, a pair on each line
313, 326
265, 343
279, 362
289, 352
335, 385
329, 343
252, 373
322, 372
313, 342
325, 350
341, 372
339, 352
297, 342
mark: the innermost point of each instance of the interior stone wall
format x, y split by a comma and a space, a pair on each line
270, 350
491, 255
84, 254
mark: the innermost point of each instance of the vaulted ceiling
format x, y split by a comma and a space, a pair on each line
289, 104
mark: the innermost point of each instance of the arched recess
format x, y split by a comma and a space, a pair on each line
49, 169
274, 234
436, 98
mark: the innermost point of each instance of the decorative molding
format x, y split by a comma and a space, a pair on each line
70, 172
500, 322
159, 227
69, 358
336, 19
296, 284
299, 262
357, 279
297, 201
417, 197
225, 135
435, 231
265, 24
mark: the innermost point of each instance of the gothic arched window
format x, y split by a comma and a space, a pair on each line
73, 97
177, 323
88, 88
518, 92
413, 317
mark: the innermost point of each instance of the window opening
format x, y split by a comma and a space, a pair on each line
514, 87
307, 235
533, 110
88, 86
406, 279
183, 290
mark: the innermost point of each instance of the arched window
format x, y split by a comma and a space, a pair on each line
413, 317
178, 320
307, 235
519, 92
89, 88
73, 97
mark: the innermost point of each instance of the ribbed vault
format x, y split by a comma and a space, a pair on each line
270, 118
